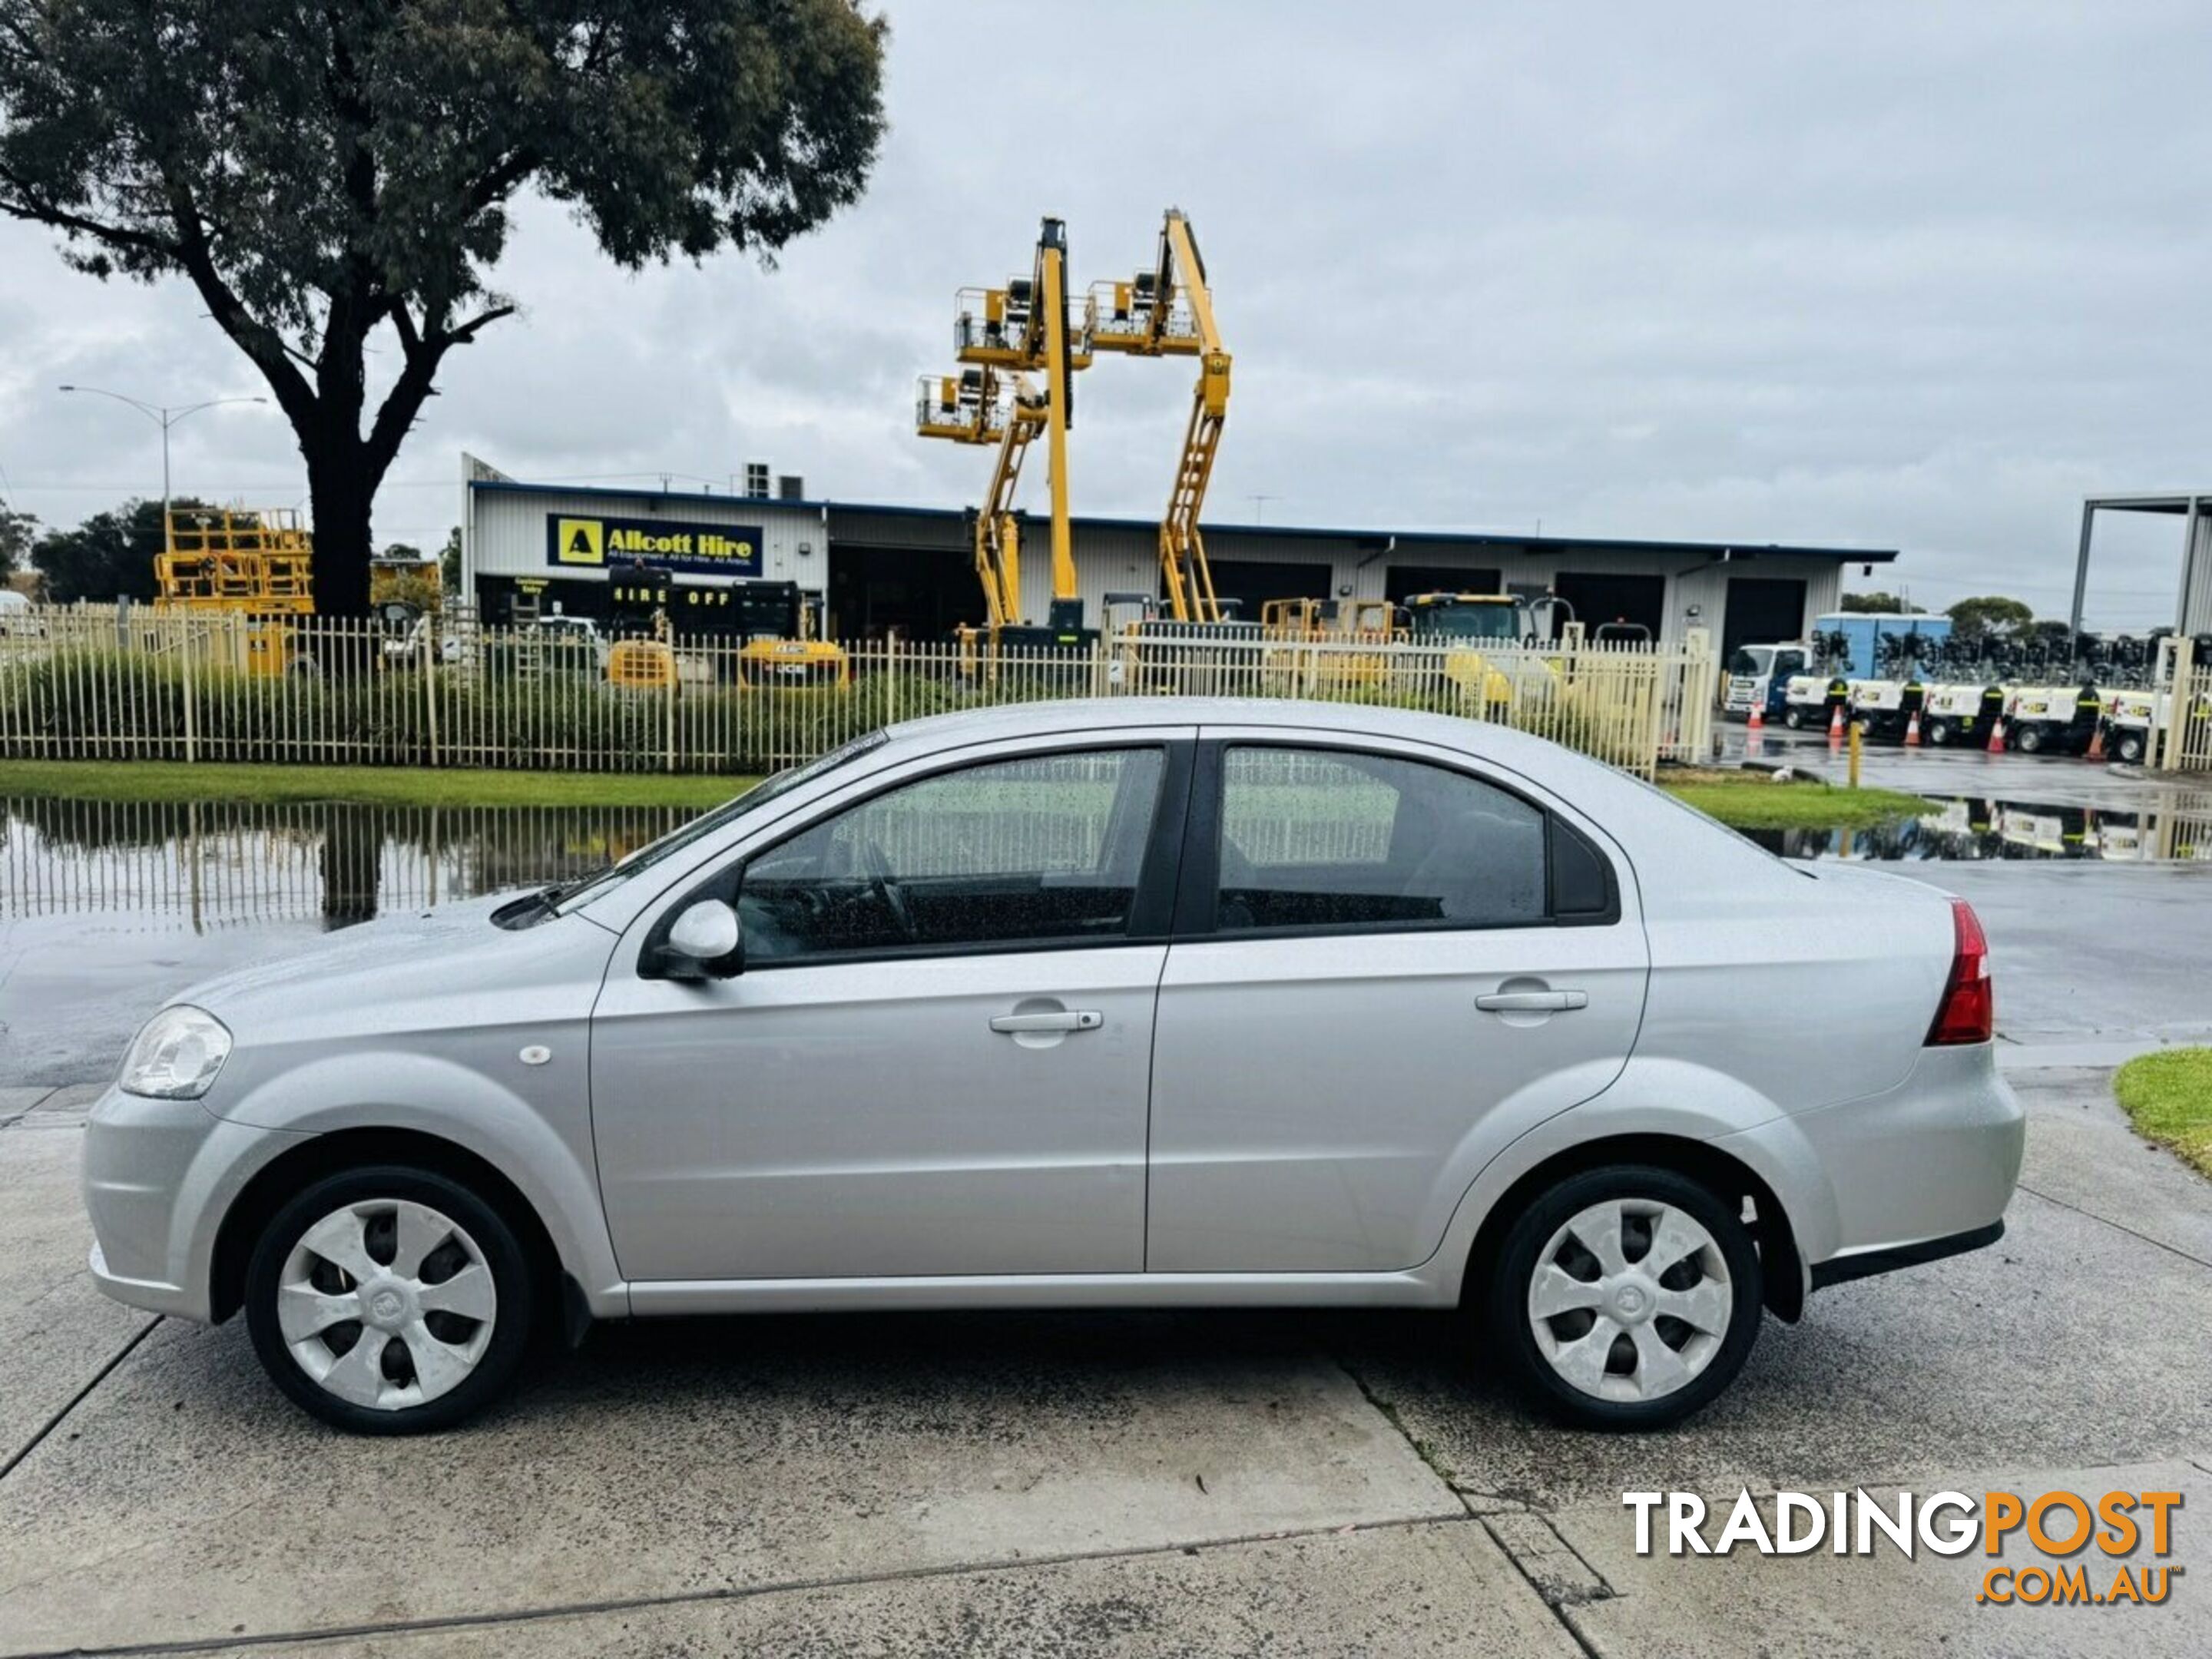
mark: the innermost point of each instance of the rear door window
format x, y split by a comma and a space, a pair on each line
1325, 839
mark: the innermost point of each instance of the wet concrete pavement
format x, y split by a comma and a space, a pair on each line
1138, 1484
2051, 780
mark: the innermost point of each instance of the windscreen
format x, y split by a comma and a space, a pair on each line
1479, 621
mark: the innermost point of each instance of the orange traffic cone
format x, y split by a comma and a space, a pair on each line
2097, 743
1996, 735
1912, 731
1758, 716
1836, 724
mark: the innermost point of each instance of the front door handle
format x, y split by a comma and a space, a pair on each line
1532, 1002
1062, 1019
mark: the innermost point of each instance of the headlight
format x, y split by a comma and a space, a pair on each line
176, 1055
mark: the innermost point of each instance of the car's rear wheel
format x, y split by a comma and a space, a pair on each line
389, 1300
1626, 1297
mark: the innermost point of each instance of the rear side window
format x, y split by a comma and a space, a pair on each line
1313, 838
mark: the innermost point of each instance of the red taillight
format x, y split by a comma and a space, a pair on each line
1968, 1011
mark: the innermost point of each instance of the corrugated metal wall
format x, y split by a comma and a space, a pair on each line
507, 537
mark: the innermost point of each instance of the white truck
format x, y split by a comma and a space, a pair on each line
1757, 675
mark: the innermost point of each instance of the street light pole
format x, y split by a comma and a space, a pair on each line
164, 415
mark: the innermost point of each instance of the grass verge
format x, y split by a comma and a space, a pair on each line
2167, 1096
1743, 801
379, 786
1753, 801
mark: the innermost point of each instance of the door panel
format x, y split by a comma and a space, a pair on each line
1309, 1094
1401, 949
936, 1058
865, 1120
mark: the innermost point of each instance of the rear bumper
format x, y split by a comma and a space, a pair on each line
1919, 1172
1865, 1264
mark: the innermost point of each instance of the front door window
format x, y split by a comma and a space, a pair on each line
1038, 850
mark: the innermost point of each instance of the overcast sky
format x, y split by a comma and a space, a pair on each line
1910, 276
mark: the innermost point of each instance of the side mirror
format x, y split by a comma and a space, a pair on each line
704, 942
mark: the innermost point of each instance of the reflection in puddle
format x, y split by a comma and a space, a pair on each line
1972, 828
211, 866
205, 866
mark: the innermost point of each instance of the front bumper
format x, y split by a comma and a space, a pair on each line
1922, 1171
159, 1176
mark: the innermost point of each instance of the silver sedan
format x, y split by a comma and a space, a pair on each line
1143, 1002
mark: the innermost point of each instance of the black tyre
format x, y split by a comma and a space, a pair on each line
2129, 747
1626, 1297
1939, 733
2030, 739
1794, 718
390, 1300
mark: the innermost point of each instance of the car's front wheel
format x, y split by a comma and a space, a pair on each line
1626, 1297
389, 1300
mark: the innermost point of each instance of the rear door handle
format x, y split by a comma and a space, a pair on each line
1065, 1019
1532, 1002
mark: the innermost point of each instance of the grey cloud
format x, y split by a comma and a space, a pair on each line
1898, 275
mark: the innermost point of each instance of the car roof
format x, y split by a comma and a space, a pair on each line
1501, 742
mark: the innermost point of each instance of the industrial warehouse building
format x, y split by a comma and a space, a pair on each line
529, 549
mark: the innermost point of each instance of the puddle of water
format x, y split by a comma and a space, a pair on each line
206, 866
1971, 828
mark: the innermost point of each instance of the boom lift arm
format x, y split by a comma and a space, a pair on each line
1167, 312
1009, 335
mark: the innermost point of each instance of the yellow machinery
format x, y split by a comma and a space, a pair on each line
259, 565
804, 658
1020, 355
1370, 621
1321, 622
641, 664
776, 625
261, 562
1483, 634
1167, 312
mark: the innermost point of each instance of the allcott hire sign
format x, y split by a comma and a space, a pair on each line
728, 550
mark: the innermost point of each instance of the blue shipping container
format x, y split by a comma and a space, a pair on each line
1865, 631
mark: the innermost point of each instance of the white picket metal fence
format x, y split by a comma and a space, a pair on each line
124, 682
2182, 732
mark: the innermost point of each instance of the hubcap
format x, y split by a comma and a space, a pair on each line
1630, 1300
386, 1303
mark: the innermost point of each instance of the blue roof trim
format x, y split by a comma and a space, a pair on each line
1218, 532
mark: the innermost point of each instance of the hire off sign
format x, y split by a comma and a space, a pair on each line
596, 544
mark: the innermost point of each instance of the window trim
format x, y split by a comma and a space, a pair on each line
1198, 896
1151, 902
